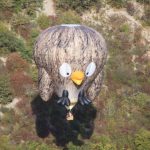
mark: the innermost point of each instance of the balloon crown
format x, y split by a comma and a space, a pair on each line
70, 25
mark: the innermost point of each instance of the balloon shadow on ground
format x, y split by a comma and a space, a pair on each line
51, 118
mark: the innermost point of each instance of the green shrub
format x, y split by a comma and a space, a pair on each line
125, 28
30, 43
6, 4
139, 99
3, 69
29, 7
121, 72
104, 143
76, 5
117, 3
68, 17
5, 90
10, 43
5, 143
146, 20
43, 21
21, 24
142, 140
19, 19
32, 37
3, 27
4, 110
144, 1
96, 143
32, 145
33, 72
6, 10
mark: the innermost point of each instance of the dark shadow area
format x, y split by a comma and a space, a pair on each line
51, 118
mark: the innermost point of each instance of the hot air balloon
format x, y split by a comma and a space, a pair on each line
70, 60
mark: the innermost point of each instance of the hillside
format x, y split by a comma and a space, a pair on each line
123, 106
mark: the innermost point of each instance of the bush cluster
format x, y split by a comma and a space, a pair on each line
5, 90
68, 17
144, 1
44, 21
147, 15
9, 42
142, 140
78, 5
21, 24
118, 3
15, 6
3, 69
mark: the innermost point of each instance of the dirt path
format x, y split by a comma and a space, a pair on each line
48, 8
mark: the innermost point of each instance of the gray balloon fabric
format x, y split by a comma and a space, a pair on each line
70, 57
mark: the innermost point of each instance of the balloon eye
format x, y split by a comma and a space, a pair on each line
90, 69
65, 70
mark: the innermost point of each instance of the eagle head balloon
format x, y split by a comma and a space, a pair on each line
70, 60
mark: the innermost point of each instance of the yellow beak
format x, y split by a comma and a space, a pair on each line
77, 77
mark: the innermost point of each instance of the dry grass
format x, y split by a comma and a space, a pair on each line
19, 82
16, 63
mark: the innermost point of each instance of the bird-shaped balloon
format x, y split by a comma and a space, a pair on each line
70, 60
